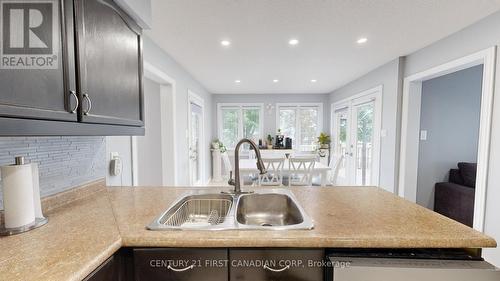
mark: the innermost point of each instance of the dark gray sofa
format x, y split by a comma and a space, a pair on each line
455, 198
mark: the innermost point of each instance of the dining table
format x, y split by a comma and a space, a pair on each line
249, 167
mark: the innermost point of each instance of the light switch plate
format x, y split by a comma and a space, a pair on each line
423, 135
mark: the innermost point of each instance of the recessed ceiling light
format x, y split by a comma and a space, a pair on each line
237, 81
314, 80
293, 42
275, 80
362, 40
225, 43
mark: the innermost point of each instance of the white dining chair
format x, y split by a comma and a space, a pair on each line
334, 173
274, 175
335, 164
301, 171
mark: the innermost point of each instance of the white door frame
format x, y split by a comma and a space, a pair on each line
160, 77
375, 93
412, 95
198, 100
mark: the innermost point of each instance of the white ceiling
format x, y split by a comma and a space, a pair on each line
191, 31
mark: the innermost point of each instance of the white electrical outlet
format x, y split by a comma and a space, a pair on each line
115, 164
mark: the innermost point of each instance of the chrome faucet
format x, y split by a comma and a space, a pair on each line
260, 165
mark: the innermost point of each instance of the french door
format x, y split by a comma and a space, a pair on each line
195, 119
356, 134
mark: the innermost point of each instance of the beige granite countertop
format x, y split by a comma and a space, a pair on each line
78, 238
82, 234
364, 217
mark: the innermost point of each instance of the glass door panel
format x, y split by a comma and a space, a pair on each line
363, 152
356, 129
194, 144
341, 143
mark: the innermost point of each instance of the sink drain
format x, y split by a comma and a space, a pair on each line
266, 224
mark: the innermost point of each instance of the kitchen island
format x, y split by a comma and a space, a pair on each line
83, 234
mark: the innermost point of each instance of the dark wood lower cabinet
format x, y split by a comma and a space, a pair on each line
181, 264
212, 264
186, 264
276, 264
251, 264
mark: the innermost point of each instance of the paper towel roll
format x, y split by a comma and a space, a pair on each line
36, 191
17, 184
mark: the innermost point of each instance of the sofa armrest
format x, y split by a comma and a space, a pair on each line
455, 201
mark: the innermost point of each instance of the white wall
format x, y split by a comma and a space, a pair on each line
450, 112
123, 146
479, 36
388, 76
184, 81
149, 160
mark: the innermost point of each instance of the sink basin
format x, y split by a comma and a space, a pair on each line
266, 209
198, 211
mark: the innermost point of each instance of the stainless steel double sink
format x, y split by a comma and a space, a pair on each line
266, 209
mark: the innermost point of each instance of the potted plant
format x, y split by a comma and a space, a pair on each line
324, 141
269, 142
218, 145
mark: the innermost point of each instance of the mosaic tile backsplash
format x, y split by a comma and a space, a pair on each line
64, 162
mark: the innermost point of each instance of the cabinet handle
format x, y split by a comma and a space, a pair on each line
180, 269
73, 94
276, 270
89, 102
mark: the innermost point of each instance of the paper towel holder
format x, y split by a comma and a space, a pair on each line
17, 230
39, 221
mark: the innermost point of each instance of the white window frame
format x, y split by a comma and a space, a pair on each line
240, 107
300, 105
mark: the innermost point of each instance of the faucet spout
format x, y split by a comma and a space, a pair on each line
260, 164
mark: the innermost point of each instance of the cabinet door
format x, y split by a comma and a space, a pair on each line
109, 64
276, 264
184, 264
37, 72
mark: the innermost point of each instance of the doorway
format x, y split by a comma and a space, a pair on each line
356, 124
159, 139
196, 139
449, 134
410, 129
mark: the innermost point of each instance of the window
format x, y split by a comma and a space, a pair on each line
237, 121
301, 122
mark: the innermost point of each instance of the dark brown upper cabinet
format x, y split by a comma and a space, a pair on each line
70, 67
41, 86
109, 64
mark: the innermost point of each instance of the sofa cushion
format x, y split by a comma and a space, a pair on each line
455, 201
455, 177
468, 172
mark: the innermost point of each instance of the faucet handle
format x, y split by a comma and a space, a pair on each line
261, 167
231, 180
